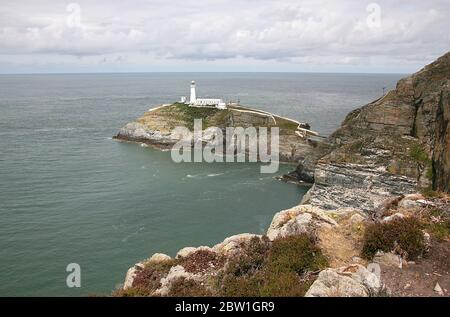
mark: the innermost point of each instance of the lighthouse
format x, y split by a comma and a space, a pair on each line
193, 98
203, 102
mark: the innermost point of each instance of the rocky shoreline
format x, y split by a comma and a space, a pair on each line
367, 177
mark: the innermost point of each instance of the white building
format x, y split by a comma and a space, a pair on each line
204, 102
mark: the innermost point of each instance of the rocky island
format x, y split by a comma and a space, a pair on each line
156, 126
375, 222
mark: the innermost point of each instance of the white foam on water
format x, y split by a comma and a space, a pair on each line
215, 174
193, 176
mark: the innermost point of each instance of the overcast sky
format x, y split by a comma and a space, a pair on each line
222, 35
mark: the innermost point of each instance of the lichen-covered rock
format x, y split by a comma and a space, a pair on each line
233, 243
411, 201
297, 220
185, 252
159, 257
175, 273
350, 281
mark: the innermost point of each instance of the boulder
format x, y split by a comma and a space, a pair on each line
297, 220
438, 289
233, 243
350, 281
388, 259
392, 217
159, 257
185, 252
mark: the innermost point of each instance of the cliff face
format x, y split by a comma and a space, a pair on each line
156, 127
418, 108
388, 147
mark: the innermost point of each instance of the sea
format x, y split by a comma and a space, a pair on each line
69, 193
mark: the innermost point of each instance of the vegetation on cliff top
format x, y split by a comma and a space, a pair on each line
188, 114
261, 268
179, 113
280, 268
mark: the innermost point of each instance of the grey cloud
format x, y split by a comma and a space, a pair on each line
333, 32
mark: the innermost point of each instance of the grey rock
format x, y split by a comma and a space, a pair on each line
297, 220
351, 281
388, 259
438, 289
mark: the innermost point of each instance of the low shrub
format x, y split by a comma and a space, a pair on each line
405, 233
240, 286
148, 279
201, 261
250, 259
296, 254
276, 269
132, 292
182, 287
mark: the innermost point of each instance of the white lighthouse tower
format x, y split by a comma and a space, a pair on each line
193, 98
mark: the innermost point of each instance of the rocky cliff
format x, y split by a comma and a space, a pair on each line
156, 127
390, 146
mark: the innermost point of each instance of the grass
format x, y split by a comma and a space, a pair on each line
440, 230
214, 117
418, 153
188, 114
286, 124
428, 192
437, 223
